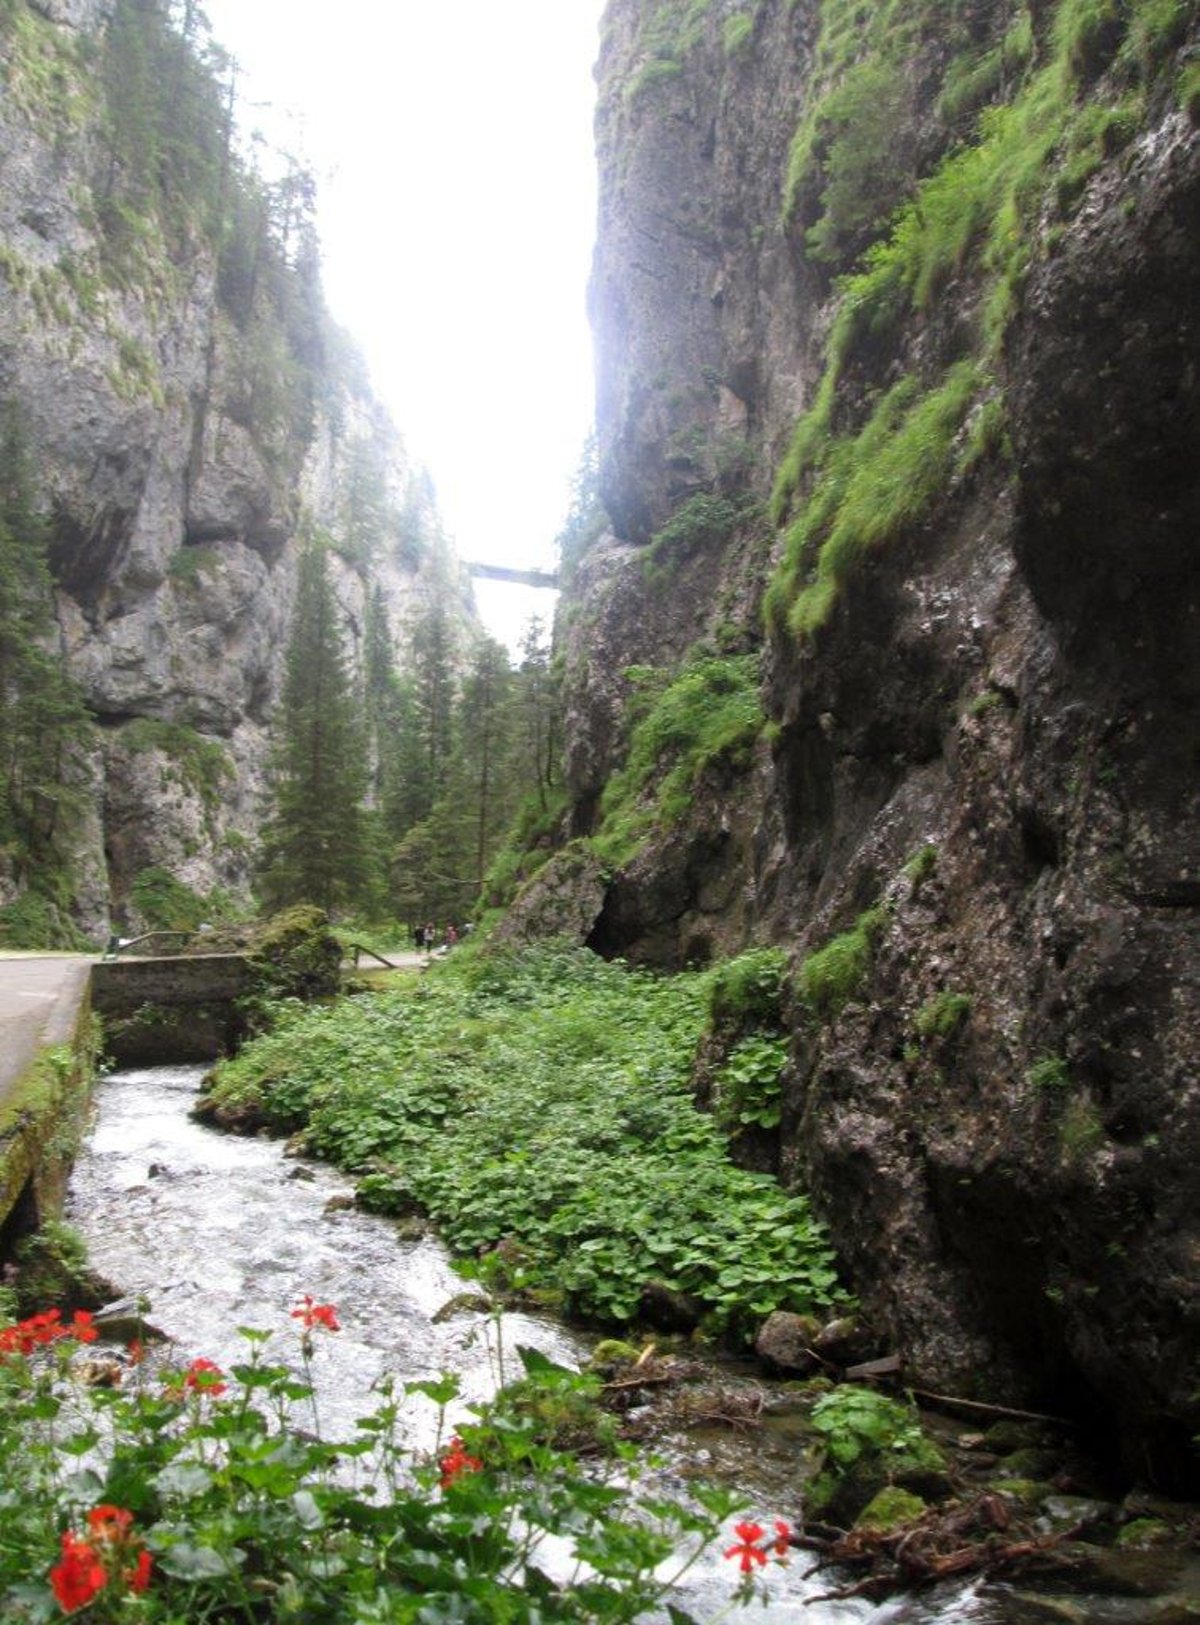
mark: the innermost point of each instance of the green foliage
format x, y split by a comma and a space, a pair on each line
973, 79
705, 521
868, 490
749, 989
668, 34
528, 845
52, 1268
165, 903
921, 865
836, 973
1049, 1074
748, 1084
868, 1440
738, 31
35, 920
545, 1096
943, 1015
978, 213
1080, 1131
188, 566
314, 847
1188, 90
296, 955
585, 519
202, 765
857, 1422
1086, 34
710, 712
213, 1495
44, 729
847, 150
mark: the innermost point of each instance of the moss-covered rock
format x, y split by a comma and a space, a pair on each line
297, 954
53, 1273
1030, 1463
1145, 1532
890, 1508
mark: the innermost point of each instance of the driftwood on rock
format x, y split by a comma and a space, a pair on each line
982, 1537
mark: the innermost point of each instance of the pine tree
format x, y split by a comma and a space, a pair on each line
315, 845
486, 757
434, 685
538, 744
43, 724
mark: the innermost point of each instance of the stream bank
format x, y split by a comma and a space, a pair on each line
220, 1231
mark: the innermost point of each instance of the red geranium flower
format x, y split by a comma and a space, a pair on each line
78, 1576
456, 1461
747, 1550
81, 1327
108, 1552
109, 1522
46, 1327
201, 1377
312, 1314
138, 1577
783, 1538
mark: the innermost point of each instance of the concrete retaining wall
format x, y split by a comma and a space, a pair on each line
162, 1011
42, 1114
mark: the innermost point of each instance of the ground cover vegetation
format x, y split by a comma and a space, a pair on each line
162, 1494
1022, 118
538, 1108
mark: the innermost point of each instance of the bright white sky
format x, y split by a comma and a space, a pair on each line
452, 141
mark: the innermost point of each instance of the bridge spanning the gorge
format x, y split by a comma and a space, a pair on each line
523, 578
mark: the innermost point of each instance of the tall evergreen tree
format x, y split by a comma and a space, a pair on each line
538, 743
315, 846
43, 724
434, 683
486, 774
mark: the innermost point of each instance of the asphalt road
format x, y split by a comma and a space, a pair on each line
39, 998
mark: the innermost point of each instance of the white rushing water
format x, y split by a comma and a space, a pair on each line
218, 1231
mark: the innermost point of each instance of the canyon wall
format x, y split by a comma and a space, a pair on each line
192, 414
897, 313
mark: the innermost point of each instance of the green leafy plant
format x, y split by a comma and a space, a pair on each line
709, 712
748, 1084
544, 1095
196, 1493
857, 1421
748, 988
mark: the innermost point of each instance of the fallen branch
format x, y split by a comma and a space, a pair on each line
978, 1408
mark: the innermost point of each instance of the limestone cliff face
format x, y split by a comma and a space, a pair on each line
980, 657
185, 433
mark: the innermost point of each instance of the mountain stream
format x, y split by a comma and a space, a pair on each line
219, 1232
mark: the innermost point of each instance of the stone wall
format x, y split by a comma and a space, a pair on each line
159, 1012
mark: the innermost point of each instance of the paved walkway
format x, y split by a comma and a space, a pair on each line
40, 996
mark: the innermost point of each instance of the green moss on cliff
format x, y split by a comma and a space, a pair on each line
868, 489
668, 33
833, 975
976, 216
709, 712
200, 765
